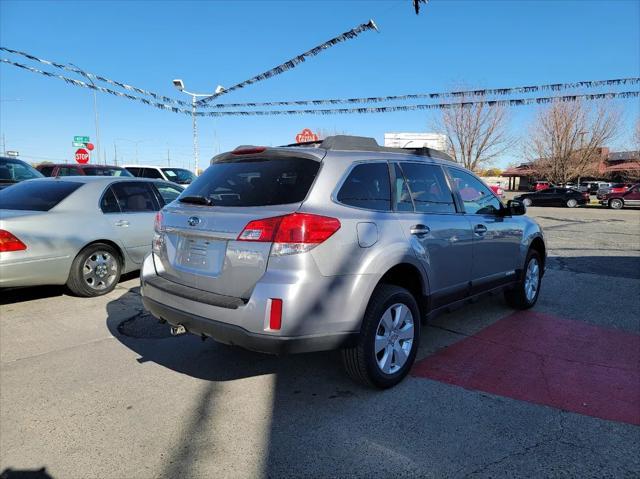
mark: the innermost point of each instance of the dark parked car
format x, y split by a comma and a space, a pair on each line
631, 197
13, 171
63, 169
555, 197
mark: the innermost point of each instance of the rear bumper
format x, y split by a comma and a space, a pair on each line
238, 336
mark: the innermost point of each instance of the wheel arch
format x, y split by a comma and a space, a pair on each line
121, 255
538, 245
410, 277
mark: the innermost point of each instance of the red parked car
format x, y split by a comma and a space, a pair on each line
497, 189
630, 197
541, 185
71, 169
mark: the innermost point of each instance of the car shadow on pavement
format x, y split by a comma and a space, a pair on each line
10, 473
311, 396
20, 295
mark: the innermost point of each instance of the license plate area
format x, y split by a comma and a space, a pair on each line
201, 255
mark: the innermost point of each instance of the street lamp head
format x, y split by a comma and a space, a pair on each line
179, 84
219, 89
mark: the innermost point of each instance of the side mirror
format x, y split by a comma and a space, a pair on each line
516, 208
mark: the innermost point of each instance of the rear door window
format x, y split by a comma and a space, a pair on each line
36, 195
134, 170
368, 187
109, 203
428, 188
135, 197
256, 181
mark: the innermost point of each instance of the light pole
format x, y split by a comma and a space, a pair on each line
179, 84
95, 108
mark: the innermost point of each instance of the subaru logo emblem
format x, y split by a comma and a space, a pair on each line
193, 221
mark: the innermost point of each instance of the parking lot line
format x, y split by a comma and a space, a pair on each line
544, 359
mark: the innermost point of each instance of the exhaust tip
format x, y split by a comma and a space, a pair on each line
178, 330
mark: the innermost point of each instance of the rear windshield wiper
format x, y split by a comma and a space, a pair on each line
196, 200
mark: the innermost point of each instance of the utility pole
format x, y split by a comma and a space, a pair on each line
115, 154
168, 158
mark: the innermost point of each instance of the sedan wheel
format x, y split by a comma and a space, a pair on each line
616, 204
95, 271
527, 202
572, 203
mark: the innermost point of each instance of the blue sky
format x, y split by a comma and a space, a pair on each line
147, 44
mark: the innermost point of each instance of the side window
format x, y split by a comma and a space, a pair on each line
152, 173
134, 197
367, 186
135, 171
476, 196
109, 204
46, 170
168, 192
403, 195
428, 188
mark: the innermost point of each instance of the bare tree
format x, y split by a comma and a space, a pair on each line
567, 138
476, 132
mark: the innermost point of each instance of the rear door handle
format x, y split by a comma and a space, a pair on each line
419, 230
480, 229
122, 223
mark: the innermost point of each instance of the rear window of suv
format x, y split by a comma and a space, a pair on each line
255, 181
36, 195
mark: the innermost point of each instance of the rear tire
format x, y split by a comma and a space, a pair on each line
95, 271
388, 340
616, 204
571, 203
525, 293
527, 202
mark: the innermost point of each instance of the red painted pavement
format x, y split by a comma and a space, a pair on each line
547, 360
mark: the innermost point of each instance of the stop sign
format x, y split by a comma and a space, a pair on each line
82, 156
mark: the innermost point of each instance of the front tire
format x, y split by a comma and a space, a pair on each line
572, 203
95, 271
527, 202
525, 293
616, 204
388, 341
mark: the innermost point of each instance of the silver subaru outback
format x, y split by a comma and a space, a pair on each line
338, 244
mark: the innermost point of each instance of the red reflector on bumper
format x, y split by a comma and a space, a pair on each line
275, 314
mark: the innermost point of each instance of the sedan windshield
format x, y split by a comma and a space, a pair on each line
179, 175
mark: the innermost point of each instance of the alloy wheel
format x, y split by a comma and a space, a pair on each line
100, 270
532, 279
394, 338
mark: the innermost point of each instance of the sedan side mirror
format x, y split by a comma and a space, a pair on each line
516, 208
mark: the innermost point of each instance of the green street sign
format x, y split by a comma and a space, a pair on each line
78, 144
81, 139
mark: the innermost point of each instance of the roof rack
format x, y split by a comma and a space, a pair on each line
363, 143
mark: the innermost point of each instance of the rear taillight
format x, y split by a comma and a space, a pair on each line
9, 242
157, 224
294, 233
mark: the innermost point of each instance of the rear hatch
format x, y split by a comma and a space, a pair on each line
198, 244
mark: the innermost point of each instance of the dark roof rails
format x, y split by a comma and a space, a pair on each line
363, 143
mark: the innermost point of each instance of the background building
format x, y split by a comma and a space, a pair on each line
437, 141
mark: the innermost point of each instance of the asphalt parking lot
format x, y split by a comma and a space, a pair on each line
97, 388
